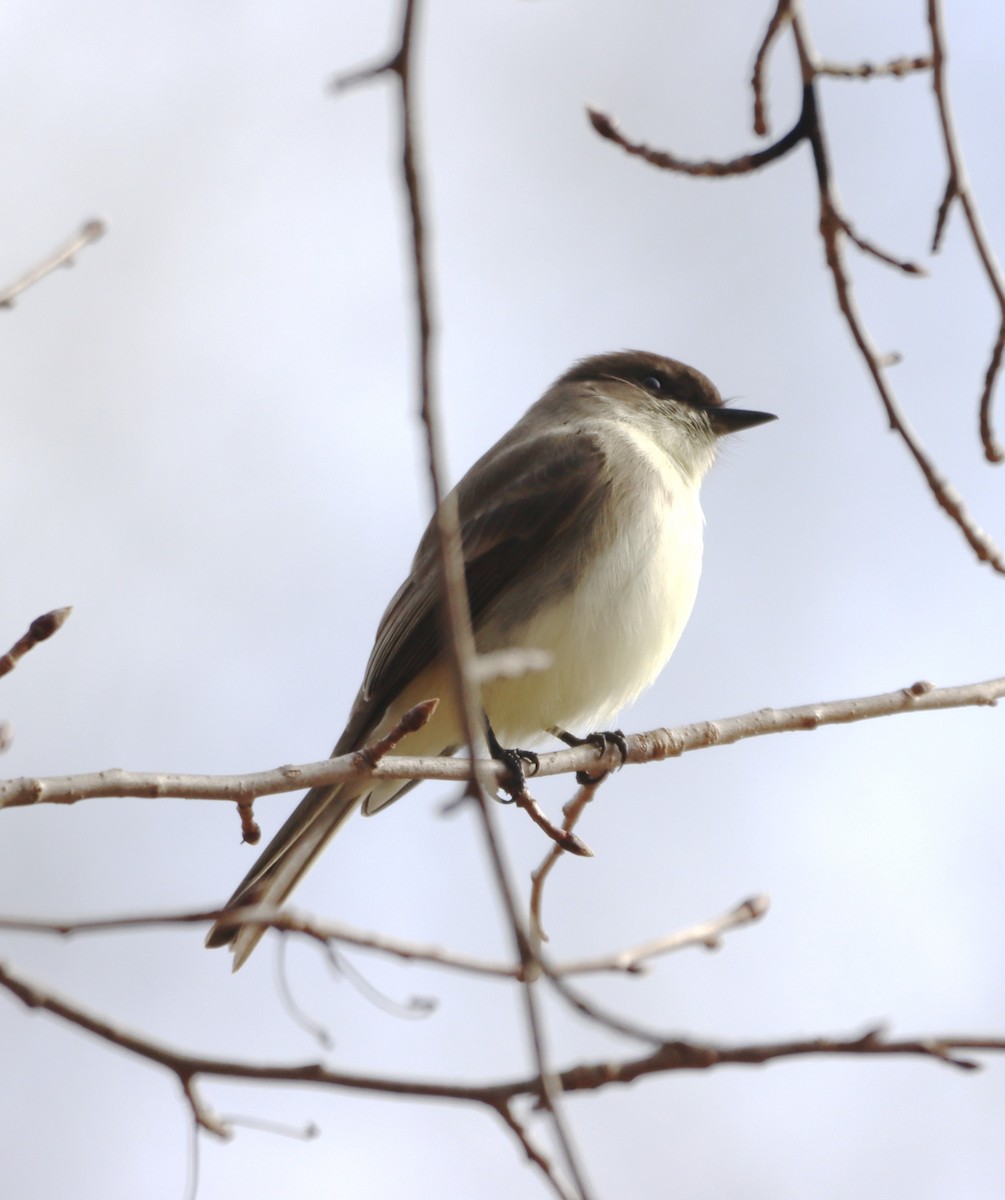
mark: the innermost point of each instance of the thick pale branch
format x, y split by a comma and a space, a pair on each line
642, 747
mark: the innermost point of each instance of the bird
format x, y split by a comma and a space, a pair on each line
581, 532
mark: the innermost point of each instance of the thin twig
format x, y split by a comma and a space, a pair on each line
251, 833
410, 722
367, 757
536, 1156
958, 188
90, 231
284, 920
870, 248
833, 223
299, 1133
593, 1011
708, 168
708, 934
564, 839
294, 1010
571, 812
41, 628
330, 933
192, 1179
779, 18
896, 68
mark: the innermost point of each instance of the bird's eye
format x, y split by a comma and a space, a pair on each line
652, 383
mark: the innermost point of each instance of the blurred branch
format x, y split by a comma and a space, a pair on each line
63, 257
708, 168
460, 642
629, 962
653, 746
708, 934
958, 188
834, 226
563, 837
675, 1055
540, 1160
896, 67
779, 19
571, 812
41, 628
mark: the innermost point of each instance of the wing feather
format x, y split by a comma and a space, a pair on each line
515, 506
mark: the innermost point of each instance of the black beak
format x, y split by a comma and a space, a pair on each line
730, 420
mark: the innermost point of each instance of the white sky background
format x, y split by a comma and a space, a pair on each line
210, 449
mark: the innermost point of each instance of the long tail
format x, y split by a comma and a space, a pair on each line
283, 862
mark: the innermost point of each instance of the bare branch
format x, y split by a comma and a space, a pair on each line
709, 168
245, 790
946, 495
677, 1055
870, 248
571, 813
896, 68
251, 832
779, 18
833, 223
539, 1159
90, 231
708, 934
653, 746
958, 188
411, 722
285, 920
692, 1056
41, 628
460, 642
563, 837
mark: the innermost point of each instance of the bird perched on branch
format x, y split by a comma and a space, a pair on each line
581, 532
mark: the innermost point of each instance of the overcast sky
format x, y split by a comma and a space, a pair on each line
211, 451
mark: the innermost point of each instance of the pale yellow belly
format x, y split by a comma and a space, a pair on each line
610, 637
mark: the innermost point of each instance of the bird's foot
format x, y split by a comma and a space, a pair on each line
515, 783
602, 742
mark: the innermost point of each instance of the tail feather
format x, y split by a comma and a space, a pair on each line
283, 863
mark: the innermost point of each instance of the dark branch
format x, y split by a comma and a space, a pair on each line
834, 225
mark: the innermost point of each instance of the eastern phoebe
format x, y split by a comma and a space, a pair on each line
582, 537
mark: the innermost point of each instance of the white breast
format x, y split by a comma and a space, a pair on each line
613, 634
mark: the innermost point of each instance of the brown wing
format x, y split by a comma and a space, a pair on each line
515, 506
